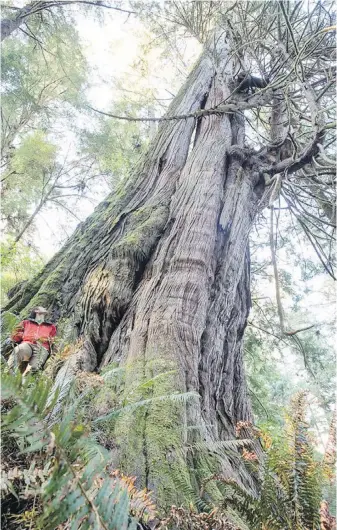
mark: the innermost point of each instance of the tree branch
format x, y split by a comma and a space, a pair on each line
229, 108
9, 25
290, 165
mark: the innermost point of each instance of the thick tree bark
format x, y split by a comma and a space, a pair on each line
158, 280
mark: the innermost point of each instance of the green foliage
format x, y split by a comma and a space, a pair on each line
26, 178
116, 145
18, 263
35, 78
269, 389
41, 87
69, 472
78, 487
7, 324
292, 479
279, 365
33, 155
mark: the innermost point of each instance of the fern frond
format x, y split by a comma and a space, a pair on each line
109, 373
305, 488
174, 397
78, 489
220, 445
149, 383
23, 421
291, 480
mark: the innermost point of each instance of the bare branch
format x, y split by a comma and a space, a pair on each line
229, 108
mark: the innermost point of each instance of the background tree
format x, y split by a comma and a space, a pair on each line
21, 18
157, 278
43, 104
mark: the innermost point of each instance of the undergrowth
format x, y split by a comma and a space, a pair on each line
61, 474
57, 471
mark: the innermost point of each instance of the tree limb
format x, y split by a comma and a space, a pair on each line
229, 108
9, 25
304, 157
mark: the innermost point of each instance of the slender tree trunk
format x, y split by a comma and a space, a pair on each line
157, 279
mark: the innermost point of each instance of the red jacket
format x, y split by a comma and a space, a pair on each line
33, 332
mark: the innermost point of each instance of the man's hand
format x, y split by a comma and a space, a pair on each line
28, 369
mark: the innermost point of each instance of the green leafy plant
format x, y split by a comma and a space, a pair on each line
53, 465
76, 487
291, 478
63, 472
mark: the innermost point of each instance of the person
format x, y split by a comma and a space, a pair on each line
34, 338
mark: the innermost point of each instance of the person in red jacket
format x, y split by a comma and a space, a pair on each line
34, 338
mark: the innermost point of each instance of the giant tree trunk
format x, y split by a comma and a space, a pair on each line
157, 279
